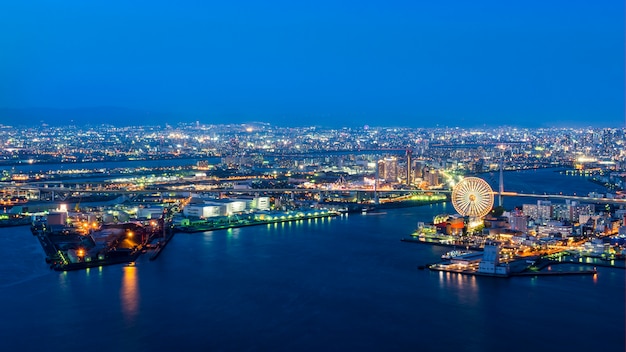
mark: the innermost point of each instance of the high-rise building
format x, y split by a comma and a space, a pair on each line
544, 209
561, 211
432, 177
576, 210
390, 169
419, 168
540, 211
409, 166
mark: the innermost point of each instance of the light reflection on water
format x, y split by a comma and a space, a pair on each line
464, 286
129, 293
64, 281
346, 281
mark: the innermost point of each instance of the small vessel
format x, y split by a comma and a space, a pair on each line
14, 220
455, 253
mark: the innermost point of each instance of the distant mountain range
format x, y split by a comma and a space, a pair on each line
84, 116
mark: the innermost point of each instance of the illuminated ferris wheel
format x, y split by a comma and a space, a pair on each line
472, 197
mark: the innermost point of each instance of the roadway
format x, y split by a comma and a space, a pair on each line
564, 196
67, 190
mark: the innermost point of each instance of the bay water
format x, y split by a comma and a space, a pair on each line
339, 284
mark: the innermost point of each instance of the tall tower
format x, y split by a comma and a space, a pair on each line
409, 165
501, 185
376, 176
390, 169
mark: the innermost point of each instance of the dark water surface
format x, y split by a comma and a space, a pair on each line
341, 284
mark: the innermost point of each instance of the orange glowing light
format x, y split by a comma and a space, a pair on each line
130, 293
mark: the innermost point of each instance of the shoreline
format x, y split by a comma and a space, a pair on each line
205, 228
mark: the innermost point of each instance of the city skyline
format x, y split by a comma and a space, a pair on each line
334, 65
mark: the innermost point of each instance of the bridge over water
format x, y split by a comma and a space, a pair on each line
60, 192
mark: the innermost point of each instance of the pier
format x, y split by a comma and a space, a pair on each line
556, 273
443, 243
168, 235
487, 262
213, 226
473, 272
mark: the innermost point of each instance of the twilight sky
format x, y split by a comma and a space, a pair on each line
331, 63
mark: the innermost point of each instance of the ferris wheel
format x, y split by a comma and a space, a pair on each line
472, 197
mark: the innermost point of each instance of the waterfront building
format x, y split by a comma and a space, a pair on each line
255, 203
261, 203
490, 264
450, 225
225, 207
202, 211
229, 206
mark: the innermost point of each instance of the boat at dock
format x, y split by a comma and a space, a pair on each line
7, 220
454, 254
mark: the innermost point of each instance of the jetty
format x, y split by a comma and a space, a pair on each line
211, 225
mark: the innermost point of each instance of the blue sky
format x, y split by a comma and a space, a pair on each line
334, 63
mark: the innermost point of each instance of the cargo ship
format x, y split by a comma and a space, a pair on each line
7, 220
455, 253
